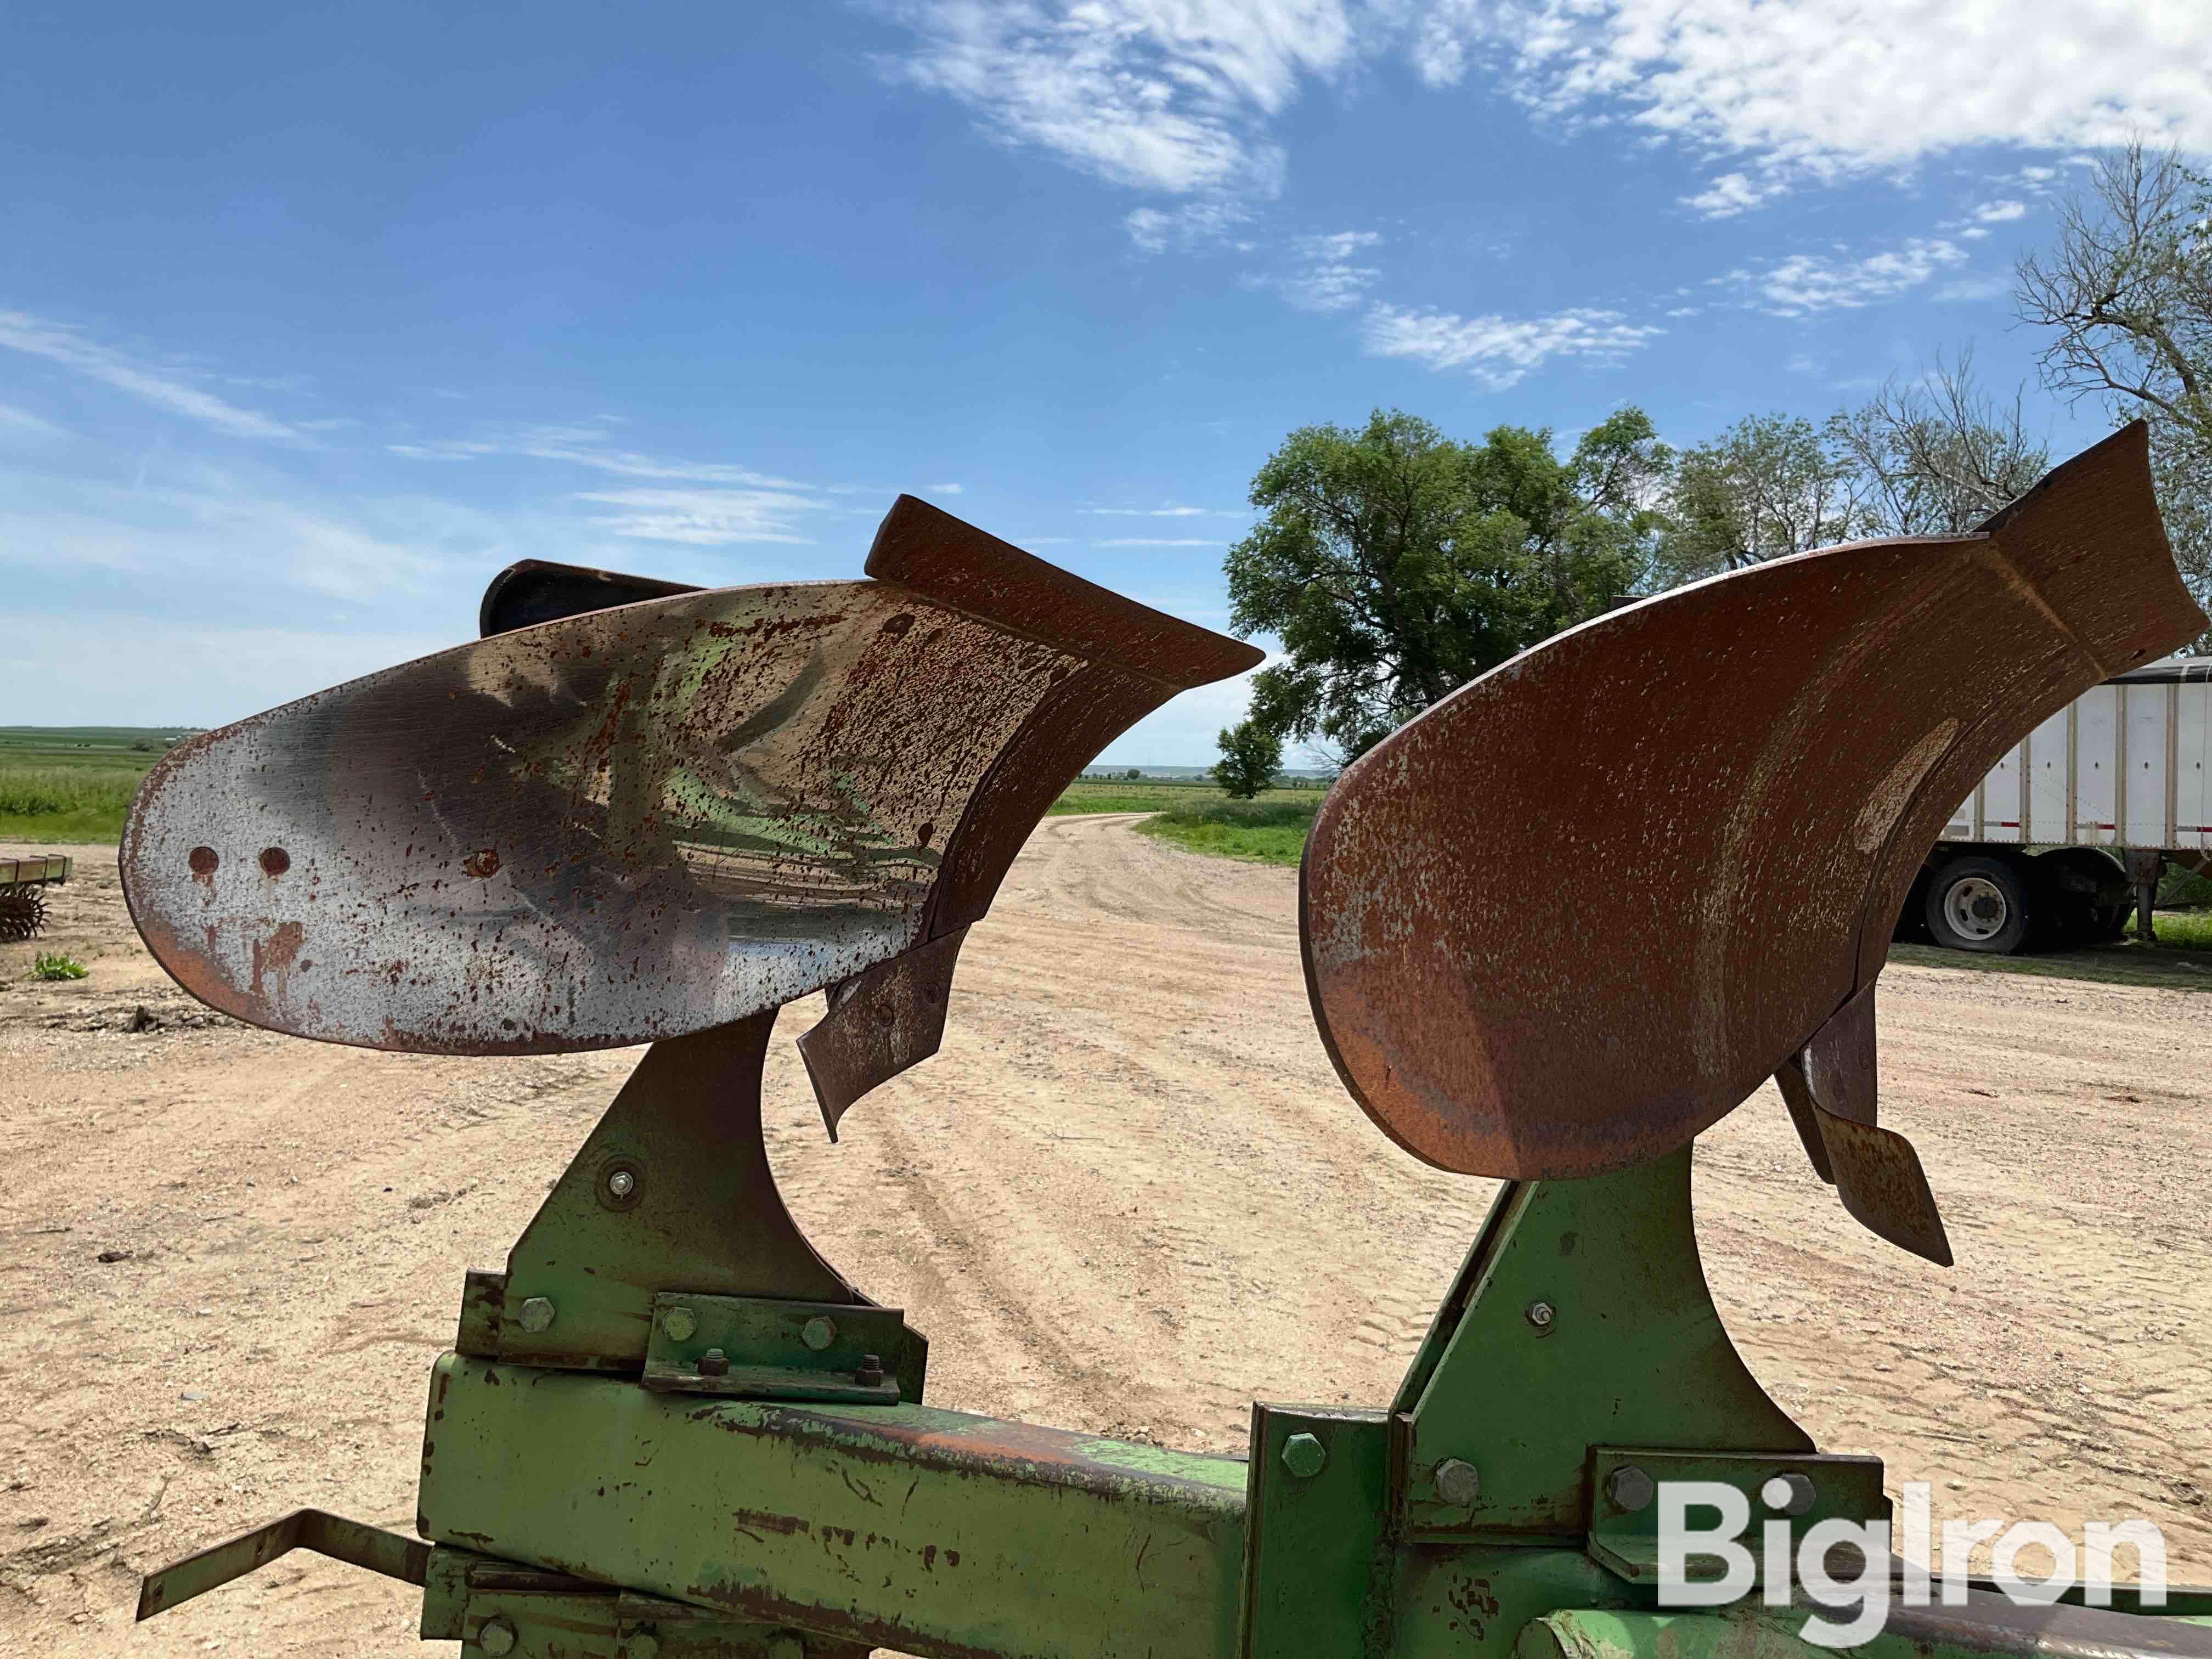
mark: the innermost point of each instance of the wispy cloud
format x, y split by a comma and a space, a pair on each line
706, 518
1997, 213
1156, 229
1161, 512
1327, 276
586, 447
21, 420
1805, 284
1500, 350
162, 386
1157, 541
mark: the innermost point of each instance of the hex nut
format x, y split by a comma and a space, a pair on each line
1458, 1483
870, 1371
1630, 1488
496, 1636
1305, 1455
818, 1334
714, 1363
1792, 1492
1541, 1314
680, 1323
536, 1315
785, 1646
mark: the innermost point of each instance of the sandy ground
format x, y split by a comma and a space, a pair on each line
1127, 1197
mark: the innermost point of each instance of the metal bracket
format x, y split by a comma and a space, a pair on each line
1625, 1506
355, 1542
1317, 1561
737, 1347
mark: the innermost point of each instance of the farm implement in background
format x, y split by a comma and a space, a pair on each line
632, 813
23, 883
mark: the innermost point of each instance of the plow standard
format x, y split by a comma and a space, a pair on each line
635, 812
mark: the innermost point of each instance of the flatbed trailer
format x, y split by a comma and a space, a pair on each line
22, 901
2072, 829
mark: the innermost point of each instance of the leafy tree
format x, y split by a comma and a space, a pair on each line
1395, 564
1769, 485
1251, 756
2127, 297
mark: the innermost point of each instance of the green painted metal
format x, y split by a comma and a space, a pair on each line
352, 1541
1633, 1353
771, 1352
1625, 1539
1316, 1572
1459, 1602
702, 1215
932, 1532
1605, 1633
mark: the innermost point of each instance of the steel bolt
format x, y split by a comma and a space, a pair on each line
870, 1369
1630, 1488
497, 1636
714, 1363
785, 1646
818, 1334
680, 1323
1791, 1493
1458, 1483
536, 1315
642, 1644
1539, 1314
1305, 1455
622, 1183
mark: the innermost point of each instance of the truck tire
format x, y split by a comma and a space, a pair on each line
1977, 904
2082, 896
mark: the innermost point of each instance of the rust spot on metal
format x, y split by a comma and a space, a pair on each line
484, 862
275, 860
203, 860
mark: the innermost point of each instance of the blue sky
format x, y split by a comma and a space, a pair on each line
312, 318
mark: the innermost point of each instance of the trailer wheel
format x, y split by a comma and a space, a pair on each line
2081, 896
1977, 904
22, 912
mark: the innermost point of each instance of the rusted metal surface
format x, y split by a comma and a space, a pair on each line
1758, 763
881, 1021
642, 822
353, 1542
533, 591
1879, 1178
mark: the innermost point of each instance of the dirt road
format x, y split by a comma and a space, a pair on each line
1128, 1196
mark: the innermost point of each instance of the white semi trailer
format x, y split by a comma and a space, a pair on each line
2071, 829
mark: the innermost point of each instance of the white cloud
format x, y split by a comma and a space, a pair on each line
706, 518
1157, 541
163, 387
1171, 98
21, 420
947, 489
1154, 228
1327, 278
1733, 193
1829, 86
1499, 350
1808, 283
583, 446
1997, 213
1149, 511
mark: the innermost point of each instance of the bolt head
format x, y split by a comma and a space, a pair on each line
496, 1636
785, 1646
1305, 1455
1791, 1493
1630, 1488
622, 1183
642, 1644
714, 1363
1541, 1314
818, 1334
680, 1323
1458, 1483
536, 1315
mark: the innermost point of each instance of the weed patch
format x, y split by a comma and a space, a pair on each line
53, 964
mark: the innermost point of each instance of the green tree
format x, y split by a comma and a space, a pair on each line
1936, 457
1251, 756
1769, 485
1395, 564
2126, 299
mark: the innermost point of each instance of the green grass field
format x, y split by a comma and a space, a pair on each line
1271, 829
69, 783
